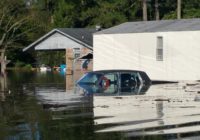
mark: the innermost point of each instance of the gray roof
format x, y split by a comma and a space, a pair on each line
83, 36
154, 26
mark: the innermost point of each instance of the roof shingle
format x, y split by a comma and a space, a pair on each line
154, 26
83, 34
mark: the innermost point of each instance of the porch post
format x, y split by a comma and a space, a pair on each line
69, 61
69, 68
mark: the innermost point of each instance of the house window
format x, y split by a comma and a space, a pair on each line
159, 49
76, 52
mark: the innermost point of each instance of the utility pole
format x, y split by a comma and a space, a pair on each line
157, 13
144, 6
178, 9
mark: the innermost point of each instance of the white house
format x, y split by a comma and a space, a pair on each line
165, 50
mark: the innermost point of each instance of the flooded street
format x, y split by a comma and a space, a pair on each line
39, 106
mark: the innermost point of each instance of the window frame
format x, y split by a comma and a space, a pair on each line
77, 52
159, 49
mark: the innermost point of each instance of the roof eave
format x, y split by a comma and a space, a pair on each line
39, 40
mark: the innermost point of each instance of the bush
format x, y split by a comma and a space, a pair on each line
19, 64
28, 66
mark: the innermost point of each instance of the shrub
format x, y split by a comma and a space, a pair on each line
28, 67
19, 64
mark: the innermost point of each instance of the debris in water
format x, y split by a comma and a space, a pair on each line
118, 97
162, 100
191, 84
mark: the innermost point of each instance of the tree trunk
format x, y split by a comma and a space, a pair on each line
3, 61
178, 9
144, 3
3, 87
157, 10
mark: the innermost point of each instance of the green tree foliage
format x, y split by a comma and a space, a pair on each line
87, 13
65, 14
191, 9
20, 24
11, 23
24, 21
108, 13
168, 9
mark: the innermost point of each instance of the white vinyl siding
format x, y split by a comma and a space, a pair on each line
130, 51
57, 41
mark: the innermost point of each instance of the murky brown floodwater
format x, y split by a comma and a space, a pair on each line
42, 106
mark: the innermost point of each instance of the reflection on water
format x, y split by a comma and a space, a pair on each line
39, 106
164, 110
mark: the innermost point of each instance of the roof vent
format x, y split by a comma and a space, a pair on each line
98, 27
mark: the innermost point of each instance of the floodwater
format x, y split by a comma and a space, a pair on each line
41, 106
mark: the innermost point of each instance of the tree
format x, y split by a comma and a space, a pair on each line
20, 24
178, 9
87, 13
65, 14
10, 24
157, 10
191, 9
108, 14
144, 7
